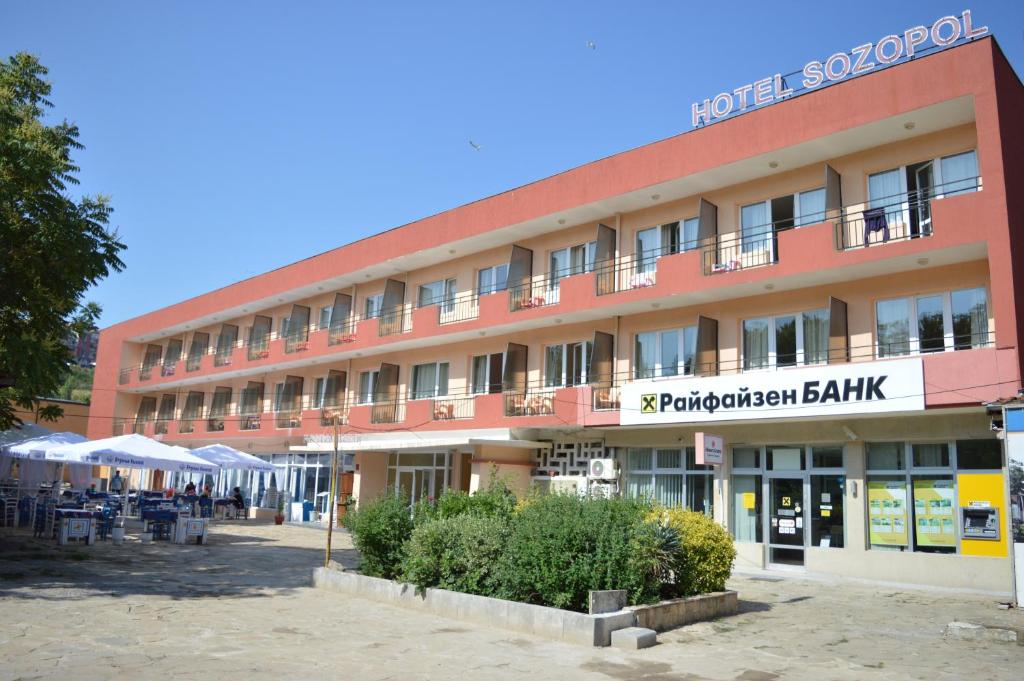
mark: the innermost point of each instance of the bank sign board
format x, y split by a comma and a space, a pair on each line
827, 390
888, 50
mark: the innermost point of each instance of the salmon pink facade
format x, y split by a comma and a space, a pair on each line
832, 284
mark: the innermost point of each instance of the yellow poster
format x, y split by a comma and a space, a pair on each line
749, 501
887, 512
934, 515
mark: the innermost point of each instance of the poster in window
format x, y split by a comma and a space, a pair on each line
934, 513
887, 512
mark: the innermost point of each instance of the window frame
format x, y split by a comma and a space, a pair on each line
588, 351
361, 396
376, 302
436, 392
659, 367
446, 301
686, 470
801, 347
948, 331
486, 357
493, 288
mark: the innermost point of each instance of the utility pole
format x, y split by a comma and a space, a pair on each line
332, 498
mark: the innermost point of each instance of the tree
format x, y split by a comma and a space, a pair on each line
52, 246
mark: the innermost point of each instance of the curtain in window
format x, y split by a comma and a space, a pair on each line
480, 374
886, 191
668, 489
648, 246
756, 227
893, 327
553, 365
669, 353
689, 232
959, 173
755, 343
812, 207
816, 336
970, 318
643, 366
424, 377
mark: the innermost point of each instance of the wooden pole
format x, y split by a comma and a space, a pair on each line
332, 498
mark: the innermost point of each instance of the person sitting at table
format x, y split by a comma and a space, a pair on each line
206, 491
237, 499
92, 489
190, 489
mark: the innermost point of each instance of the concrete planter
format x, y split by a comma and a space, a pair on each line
680, 611
551, 623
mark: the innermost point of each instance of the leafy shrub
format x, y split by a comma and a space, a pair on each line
494, 500
562, 546
459, 553
704, 561
379, 529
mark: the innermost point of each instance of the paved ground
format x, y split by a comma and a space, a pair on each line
242, 608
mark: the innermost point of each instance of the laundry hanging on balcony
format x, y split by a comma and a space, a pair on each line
875, 221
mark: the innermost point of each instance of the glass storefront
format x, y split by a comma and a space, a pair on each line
670, 477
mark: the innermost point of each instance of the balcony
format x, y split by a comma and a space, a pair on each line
395, 321
541, 291
896, 218
453, 408
387, 412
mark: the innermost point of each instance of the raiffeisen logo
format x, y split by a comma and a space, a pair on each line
861, 59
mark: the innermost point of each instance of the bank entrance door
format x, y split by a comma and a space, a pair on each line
786, 520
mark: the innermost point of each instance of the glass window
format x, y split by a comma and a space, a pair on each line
785, 341
669, 346
970, 318
816, 332
885, 190
318, 393
373, 305
960, 173
893, 318
480, 364
559, 266
811, 209
827, 510
658, 353
930, 324
436, 293
756, 227
755, 343
429, 380
553, 356
367, 386
325, 317
645, 356
648, 248
931, 455
888, 512
581, 258
885, 456
785, 458
689, 235
660, 475
746, 457
746, 508
934, 514
979, 455
491, 279
829, 456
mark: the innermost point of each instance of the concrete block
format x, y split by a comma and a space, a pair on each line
634, 638
600, 602
605, 625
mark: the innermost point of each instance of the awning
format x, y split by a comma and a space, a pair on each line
229, 458
131, 451
422, 441
37, 447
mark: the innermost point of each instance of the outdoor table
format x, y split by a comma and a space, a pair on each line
76, 523
158, 516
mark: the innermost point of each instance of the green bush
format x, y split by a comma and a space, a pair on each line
704, 562
495, 500
380, 528
459, 553
562, 546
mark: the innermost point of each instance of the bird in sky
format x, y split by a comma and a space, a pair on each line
476, 147
591, 44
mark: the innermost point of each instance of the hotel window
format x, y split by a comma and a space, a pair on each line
959, 173
492, 279
904, 192
672, 237
487, 373
786, 340
665, 353
438, 293
325, 317
566, 365
367, 386
756, 227
669, 477
956, 320
373, 306
319, 387
429, 380
565, 262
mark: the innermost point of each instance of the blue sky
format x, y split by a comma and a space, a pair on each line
238, 137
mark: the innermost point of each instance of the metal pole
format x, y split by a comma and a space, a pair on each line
331, 497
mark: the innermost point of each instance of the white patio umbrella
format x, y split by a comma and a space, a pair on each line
229, 458
29, 475
131, 451
37, 447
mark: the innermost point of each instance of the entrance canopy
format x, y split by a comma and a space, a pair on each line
131, 451
229, 458
390, 442
37, 447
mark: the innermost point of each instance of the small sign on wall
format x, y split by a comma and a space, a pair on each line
710, 449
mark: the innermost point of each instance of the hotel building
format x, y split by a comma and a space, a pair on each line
828, 283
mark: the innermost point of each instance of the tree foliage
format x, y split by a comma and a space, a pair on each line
53, 247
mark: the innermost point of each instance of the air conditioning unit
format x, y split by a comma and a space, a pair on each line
603, 469
602, 490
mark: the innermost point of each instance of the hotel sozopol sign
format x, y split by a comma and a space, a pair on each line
835, 390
